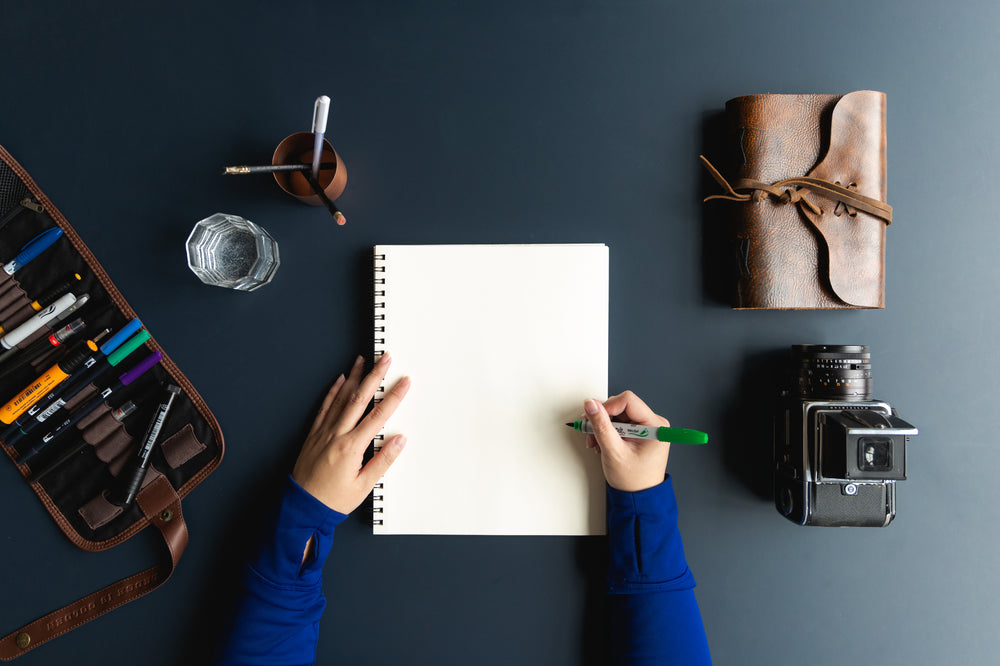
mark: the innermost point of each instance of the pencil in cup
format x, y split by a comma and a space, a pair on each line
271, 168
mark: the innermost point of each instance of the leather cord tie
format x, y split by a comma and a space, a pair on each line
790, 190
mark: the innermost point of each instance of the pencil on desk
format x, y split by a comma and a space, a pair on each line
271, 168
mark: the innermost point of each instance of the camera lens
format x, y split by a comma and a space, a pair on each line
841, 372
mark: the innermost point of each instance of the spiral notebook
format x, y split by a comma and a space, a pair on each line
503, 344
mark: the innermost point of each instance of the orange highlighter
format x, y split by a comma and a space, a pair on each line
39, 388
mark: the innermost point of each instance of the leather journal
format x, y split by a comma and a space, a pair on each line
809, 200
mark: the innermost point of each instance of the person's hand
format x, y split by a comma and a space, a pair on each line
329, 465
629, 464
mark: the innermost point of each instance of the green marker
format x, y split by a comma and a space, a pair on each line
636, 431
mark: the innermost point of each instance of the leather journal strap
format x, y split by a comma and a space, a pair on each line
161, 504
783, 191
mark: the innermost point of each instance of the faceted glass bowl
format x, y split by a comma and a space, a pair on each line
229, 251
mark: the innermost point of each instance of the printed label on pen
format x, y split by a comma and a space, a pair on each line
631, 430
55, 407
26, 398
154, 431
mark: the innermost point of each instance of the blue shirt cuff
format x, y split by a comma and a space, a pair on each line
300, 517
647, 554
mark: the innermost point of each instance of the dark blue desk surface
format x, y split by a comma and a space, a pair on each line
525, 122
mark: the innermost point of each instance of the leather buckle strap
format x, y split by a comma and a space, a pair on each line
789, 190
162, 506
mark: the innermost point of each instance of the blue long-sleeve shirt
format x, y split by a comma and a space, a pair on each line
654, 615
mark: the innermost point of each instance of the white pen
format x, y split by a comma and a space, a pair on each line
22, 332
320, 112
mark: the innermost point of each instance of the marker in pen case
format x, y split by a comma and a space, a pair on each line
40, 319
32, 249
119, 414
130, 480
112, 353
34, 391
40, 347
124, 379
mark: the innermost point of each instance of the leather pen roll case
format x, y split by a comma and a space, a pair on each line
60, 312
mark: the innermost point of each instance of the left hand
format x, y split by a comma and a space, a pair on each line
329, 465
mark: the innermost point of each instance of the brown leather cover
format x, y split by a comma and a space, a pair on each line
827, 154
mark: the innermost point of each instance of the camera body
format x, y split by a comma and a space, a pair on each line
838, 453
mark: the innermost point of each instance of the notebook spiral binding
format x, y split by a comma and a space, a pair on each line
379, 349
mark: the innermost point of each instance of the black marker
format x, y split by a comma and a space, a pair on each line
131, 480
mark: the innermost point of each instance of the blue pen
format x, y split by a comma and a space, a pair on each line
32, 249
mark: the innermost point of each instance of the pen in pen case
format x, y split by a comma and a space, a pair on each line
11, 430
37, 389
130, 480
53, 388
47, 298
24, 331
32, 249
40, 347
123, 380
118, 414
80, 301
110, 355
50, 295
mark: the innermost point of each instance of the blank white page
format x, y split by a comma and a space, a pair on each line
503, 343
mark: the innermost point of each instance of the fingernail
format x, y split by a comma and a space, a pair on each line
384, 358
591, 407
399, 442
360, 360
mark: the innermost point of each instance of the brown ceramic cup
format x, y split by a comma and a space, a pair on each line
298, 149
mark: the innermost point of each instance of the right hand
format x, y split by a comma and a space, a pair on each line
629, 464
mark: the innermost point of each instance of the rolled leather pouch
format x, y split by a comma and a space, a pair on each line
810, 191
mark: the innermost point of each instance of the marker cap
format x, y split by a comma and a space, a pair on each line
145, 364
133, 343
120, 336
38, 244
320, 113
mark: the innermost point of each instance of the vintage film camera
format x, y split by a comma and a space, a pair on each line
837, 452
